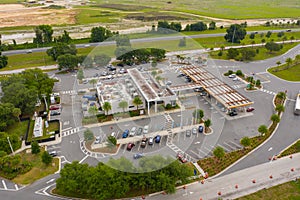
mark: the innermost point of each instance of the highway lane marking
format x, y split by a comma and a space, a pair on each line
83, 159
4, 184
270, 149
51, 180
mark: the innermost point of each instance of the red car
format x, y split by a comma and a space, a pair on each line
250, 109
130, 146
181, 158
54, 107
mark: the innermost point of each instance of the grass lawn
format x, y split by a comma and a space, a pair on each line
19, 128
295, 148
28, 60
290, 74
87, 15
39, 169
286, 191
262, 55
10, 1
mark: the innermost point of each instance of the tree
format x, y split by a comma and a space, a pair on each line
269, 33
88, 135
124, 54
157, 54
263, 129
64, 38
280, 34
17, 112
245, 141
93, 110
122, 40
46, 158
99, 34
239, 73
212, 25
112, 140
198, 114
67, 61
3, 61
232, 53
289, 61
247, 54
106, 107
252, 36
281, 95
279, 108
35, 147
61, 49
199, 26
80, 75
93, 82
207, 123
235, 33
278, 63
257, 83
123, 104
137, 101
154, 73
275, 118
272, 46
43, 34
219, 152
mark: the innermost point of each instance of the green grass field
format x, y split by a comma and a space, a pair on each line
286, 191
11, 1
290, 74
96, 15
228, 9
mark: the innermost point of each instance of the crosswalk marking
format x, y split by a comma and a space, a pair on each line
70, 132
68, 92
4, 184
267, 91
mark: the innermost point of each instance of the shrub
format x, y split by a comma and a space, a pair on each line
46, 158
35, 148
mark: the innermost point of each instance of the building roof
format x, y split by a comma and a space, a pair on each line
227, 96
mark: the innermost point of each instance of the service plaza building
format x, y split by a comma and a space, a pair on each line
152, 93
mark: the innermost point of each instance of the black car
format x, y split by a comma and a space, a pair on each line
54, 112
233, 113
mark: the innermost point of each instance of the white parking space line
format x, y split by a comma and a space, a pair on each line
4, 184
238, 145
226, 149
229, 145
209, 150
16, 186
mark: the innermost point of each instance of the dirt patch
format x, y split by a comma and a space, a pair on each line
18, 15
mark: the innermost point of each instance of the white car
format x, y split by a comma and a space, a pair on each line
146, 129
235, 79
132, 131
232, 76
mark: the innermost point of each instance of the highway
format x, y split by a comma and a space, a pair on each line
150, 39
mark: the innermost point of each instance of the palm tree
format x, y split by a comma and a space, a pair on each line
123, 104
93, 110
207, 124
93, 81
137, 101
106, 107
289, 61
275, 118
17, 112
281, 95
263, 129
280, 108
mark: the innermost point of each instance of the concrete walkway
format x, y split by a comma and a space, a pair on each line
239, 183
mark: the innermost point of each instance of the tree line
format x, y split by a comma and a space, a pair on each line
116, 180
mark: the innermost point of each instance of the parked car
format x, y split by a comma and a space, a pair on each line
144, 141
139, 131
53, 153
200, 129
130, 146
203, 93
250, 109
235, 79
54, 107
113, 134
97, 140
188, 133
232, 76
138, 155
168, 83
157, 139
233, 113
181, 158
125, 133
132, 131
150, 141
146, 129
104, 73
54, 112
194, 131
85, 81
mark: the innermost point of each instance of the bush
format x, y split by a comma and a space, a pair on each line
35, 148
220, 53
168, 106
239, 73
88, 135
46, 158
245, 141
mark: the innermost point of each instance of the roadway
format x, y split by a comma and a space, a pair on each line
150, 39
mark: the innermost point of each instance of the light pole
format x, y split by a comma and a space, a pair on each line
12, 150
